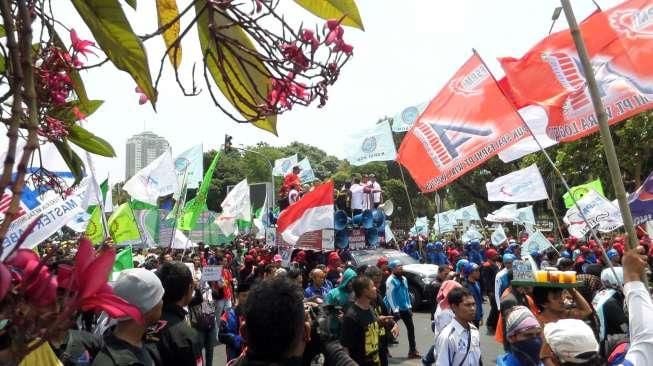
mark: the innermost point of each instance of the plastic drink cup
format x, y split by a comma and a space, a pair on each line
555, 276
541, 276
569, 276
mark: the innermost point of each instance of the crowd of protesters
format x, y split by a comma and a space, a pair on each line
317, 306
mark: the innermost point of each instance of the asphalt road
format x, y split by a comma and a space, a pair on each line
424, 337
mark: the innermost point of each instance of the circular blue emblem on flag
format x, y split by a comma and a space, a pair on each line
369, 144
409, 115
182, 163
286, 165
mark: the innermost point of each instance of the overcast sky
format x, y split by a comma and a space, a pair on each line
409, 49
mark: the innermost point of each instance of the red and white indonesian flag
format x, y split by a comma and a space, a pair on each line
314, 211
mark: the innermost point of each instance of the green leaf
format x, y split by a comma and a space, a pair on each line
166, 11
76, 78
65, 112
255, 87
73, 161
131, 3
335, 9
90, 142
114, 35
3, 32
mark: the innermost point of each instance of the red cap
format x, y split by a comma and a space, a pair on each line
491, 254
382, 262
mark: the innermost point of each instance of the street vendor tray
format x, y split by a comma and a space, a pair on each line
521, 283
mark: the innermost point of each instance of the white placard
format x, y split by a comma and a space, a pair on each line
212, 273
522, 271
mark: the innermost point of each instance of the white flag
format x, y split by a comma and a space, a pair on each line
191, 163
444, 222
536, 118
467, 213
404, 120
284, 166
525, 185
498, 236
507, 213
236, 206
374, 144
536, 242
471, 234
157, 179
389, 235
525, 216
598, 210
55, 213
421, 226
306, 175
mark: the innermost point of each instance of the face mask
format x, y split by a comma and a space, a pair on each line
528, 351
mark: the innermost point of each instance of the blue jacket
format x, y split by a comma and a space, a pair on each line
396, 294
475, 289
229, 333
440, 259
321, 292
475, 256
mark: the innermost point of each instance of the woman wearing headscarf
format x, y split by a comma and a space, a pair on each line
524, 335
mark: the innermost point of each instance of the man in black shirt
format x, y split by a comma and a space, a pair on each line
179, 344
360, 326
125, 345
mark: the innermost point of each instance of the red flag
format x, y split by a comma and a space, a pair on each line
314, 211
620, 44
467, 123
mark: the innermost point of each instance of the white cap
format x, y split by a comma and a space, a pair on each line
608, 279
140, 288
569, 338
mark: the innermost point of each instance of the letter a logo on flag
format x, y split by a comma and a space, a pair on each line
467, 123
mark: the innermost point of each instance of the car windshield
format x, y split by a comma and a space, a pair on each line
370, 257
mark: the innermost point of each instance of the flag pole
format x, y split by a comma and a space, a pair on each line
437, 212
556, 170
180, 204
105, 225
410, 204
555, 216
604, 128
140, 233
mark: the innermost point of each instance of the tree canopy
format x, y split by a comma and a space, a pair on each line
580, 161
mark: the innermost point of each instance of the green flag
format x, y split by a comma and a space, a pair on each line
581, 190
197, 205
124, 260
94, 230
122, 224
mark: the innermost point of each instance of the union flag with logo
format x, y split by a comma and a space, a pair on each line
468, 122
620, 45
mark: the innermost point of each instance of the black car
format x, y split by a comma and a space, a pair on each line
420, 276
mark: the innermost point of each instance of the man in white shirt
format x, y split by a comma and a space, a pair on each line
459, 343
376, 191
357, 195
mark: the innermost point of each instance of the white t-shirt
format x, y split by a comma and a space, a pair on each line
376, 195
357, 196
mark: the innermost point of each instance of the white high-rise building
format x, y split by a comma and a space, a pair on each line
142, 149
